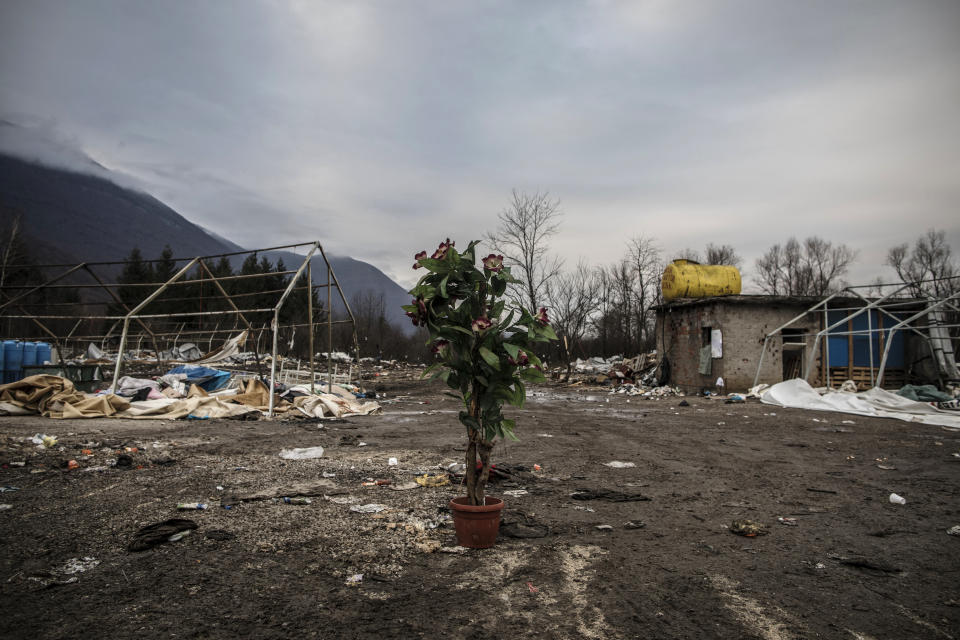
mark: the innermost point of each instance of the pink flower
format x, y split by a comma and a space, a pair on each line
493, 263
481, 324
418, 257
441, 251
542, 317
521, 360
419, 317
440, 346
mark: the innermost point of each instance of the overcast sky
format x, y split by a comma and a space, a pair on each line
381, 128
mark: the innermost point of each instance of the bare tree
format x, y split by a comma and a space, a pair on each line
814, 268
723, 254
646, 267
526, 225
688, 254
572, 298
929, 265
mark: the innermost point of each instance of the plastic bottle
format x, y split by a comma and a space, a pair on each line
191, 506
895, 499
297, 500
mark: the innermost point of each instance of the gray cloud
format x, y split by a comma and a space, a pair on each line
380, 128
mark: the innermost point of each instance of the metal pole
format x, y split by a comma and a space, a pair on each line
329, 327
310, 321
136, 310
870, 343
273, 361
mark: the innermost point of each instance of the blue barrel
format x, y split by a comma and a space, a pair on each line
29, 354
12, 360
43, 353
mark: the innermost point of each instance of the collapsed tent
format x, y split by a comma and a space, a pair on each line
798, 394
56, 397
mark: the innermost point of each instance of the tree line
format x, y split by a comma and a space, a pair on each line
609, 309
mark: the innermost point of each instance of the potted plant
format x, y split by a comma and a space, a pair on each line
485, 352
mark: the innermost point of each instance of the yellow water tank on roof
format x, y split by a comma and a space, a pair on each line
687, 279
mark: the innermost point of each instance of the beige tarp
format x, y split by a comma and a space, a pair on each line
56, 397
199, 406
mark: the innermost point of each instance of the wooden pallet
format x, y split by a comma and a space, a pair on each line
892, 378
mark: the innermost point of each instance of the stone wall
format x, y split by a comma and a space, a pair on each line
681, 332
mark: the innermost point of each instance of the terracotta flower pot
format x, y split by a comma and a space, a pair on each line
477, 525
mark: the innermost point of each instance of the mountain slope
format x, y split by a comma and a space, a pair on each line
69, 217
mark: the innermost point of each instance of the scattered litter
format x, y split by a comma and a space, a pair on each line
617, 464
427, 480
191, 506
43, 440
532, 588
4, 507
603, 527
9, 488
362, 444
299, 500
368, 508
159, 533
23, 463
847, 422
307, 453
392, 462
634, 524
456, 549
516, 493
683, 403
405, 486
582, 508
355, 579
457, 467
328, 474
537, 467
895, 499
748, 528
790, 522
954, 530
78, 565
886, 467
545, 435
72, 464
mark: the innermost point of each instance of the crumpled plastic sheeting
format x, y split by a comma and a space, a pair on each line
198, 406
326, 405
798, 394
230, 348
56, 397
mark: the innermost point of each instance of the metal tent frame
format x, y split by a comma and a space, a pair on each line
937, 334
145, 321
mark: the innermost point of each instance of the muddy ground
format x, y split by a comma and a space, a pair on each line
853, 566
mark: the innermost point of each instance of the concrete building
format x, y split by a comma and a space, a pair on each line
703, 339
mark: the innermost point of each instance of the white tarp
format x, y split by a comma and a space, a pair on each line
798, 394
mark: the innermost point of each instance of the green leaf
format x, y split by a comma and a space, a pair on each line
436, 266
468, 421
430, 369
506, 429
443, 286
548, 332
490, 358
511, 349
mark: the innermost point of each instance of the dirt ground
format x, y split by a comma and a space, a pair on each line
852, 566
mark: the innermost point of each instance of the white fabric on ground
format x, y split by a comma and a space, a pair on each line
798, 394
